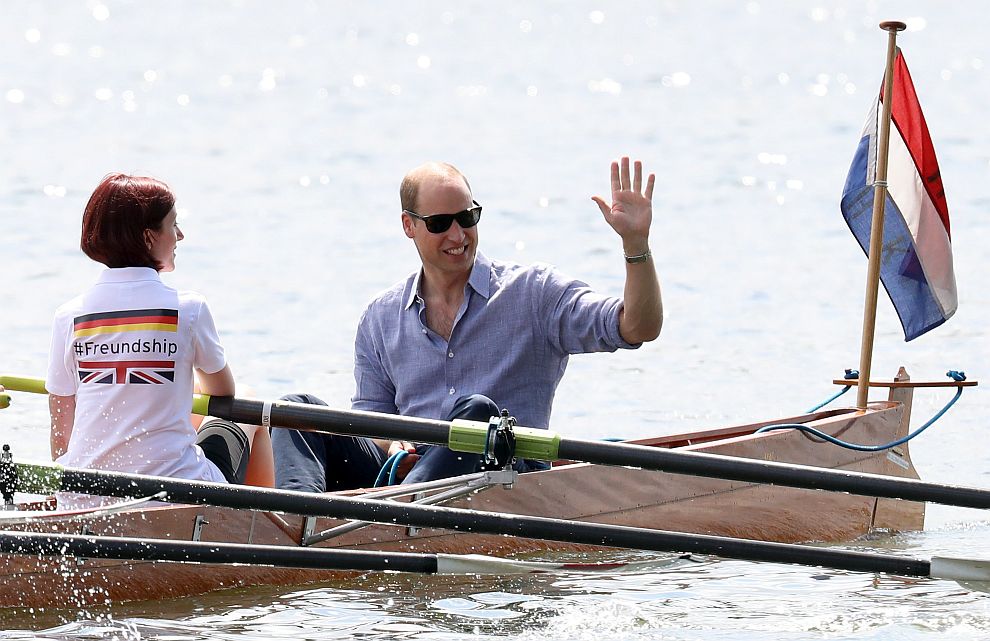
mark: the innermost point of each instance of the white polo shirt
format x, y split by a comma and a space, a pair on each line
126, 349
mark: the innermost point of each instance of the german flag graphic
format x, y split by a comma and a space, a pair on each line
160, 320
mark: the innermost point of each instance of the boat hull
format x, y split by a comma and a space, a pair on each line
612, 495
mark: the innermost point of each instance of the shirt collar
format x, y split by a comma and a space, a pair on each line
480, 279
414, 289
481, 275
128, 274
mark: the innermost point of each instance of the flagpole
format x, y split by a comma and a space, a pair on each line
876, 229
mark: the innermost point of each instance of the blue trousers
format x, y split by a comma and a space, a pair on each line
318, 462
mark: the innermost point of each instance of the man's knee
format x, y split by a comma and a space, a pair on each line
281, 436
308, 399
474, 407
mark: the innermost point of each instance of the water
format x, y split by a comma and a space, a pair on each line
285, 129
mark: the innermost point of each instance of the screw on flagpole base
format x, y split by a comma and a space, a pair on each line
893, 25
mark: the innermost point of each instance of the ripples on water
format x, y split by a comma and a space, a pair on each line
285, 127
698, 599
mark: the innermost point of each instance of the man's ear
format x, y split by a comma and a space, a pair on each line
408, 226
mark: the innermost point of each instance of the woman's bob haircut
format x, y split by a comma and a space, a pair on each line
120, 210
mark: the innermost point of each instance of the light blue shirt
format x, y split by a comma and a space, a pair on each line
511, 340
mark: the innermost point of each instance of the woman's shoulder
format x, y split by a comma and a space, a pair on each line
70, 308
190, 297
191, 304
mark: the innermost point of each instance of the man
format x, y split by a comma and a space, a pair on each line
464, 330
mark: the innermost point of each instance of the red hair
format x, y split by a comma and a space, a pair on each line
121, 208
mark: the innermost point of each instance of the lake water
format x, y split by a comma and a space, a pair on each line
285, 128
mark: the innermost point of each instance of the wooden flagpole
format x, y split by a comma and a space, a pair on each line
876, 230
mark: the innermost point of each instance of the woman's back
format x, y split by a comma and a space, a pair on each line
130, 344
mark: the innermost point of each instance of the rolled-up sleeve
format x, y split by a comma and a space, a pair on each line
374, 391
577, 319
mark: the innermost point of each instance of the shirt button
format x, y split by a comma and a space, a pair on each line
450, 354
424, 331
451, 390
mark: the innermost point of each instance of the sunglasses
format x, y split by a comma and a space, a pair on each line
439, 223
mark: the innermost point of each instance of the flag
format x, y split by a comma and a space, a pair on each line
916, 262
162, 320
124, 372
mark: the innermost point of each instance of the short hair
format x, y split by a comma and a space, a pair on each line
409, 189
121, 208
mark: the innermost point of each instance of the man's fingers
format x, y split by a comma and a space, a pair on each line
622, 181
401, 446
606, 209
406, 465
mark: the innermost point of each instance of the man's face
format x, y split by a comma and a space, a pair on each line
451, 251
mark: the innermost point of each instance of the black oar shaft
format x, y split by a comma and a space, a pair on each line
319, 418
109, 547
323, 419
789, 475
532, 527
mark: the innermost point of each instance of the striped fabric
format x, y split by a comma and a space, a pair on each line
161, 320
916, 264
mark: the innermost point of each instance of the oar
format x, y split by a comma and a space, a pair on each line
546, 445
112, 547
47, 478
23, 384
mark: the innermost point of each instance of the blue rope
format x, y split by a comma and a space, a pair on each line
398, 456
390, 468
850, 374
954, 375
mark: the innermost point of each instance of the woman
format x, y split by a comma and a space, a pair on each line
123, 353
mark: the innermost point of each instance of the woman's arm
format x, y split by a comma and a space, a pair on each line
216, 384
63, 411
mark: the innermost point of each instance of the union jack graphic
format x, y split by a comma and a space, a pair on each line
124, 372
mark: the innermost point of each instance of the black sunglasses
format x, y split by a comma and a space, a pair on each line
439, 223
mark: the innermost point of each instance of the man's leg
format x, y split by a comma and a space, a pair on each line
317, 462
437, 462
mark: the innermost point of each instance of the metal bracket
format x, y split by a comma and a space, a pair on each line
254, 519
85, 530
308, 530
500, 444
448, 490
198, 527
8, 478
416, 498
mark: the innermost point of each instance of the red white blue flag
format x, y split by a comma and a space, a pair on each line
125, 372
916, 263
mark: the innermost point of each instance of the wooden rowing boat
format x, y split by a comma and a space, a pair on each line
578, 491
